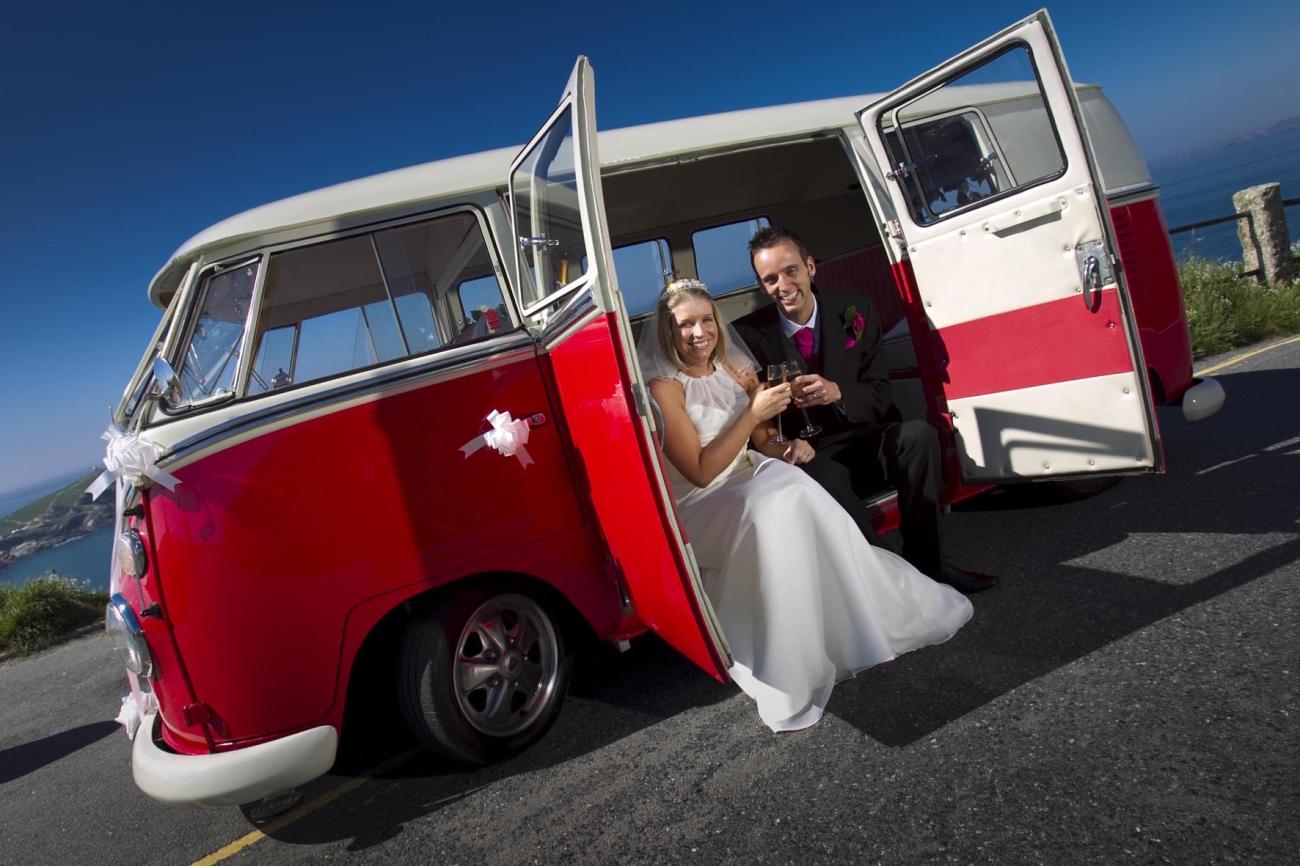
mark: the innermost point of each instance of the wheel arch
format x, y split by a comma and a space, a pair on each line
377, 647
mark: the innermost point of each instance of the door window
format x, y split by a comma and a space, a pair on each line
979, 136
547, 216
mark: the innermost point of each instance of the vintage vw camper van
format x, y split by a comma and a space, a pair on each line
408, 407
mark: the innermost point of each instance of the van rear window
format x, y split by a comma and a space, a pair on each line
722, 255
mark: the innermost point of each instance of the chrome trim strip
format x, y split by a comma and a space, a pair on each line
441, 367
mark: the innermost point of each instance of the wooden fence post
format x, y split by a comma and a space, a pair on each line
1265, 241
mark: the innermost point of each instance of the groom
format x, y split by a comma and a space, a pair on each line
864, 444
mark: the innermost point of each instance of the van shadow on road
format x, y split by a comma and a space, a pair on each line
1053, 607
1232, 474
18, 761
612, 696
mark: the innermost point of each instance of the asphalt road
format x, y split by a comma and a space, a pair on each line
1127, 694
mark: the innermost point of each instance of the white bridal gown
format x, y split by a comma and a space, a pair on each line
802, 598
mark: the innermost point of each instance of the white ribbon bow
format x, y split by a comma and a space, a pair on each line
128, 459
131, 459
507, 437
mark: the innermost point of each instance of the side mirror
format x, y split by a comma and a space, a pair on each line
166, 383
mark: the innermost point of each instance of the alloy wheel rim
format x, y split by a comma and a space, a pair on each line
507, 663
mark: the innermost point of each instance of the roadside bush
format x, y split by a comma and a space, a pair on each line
1225, 310
35, 615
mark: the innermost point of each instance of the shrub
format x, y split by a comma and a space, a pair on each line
35, 615
1225, 310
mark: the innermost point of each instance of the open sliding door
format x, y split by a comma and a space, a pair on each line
1001, 213
566, 287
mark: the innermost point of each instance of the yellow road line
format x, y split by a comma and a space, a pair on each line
303, 811
1237, 359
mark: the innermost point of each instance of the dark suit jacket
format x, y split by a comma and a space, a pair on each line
859, 370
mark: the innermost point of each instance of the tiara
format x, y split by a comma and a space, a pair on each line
682, 285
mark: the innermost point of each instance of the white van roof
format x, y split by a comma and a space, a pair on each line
486, 170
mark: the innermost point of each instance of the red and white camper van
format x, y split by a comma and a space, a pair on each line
327, 366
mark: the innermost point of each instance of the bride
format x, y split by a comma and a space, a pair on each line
802, 598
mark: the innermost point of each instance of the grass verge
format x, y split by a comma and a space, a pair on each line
35, 615
1225, 311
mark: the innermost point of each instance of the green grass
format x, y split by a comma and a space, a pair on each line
1225, 311
35, 615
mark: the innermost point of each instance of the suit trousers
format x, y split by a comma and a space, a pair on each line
903, 455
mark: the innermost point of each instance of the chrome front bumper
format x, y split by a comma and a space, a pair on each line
229, 778
1202, 400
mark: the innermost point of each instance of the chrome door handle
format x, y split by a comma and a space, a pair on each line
1091, 278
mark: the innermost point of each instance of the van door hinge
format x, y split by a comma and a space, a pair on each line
894, 229
638, 397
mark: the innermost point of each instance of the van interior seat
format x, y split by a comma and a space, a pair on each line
865, 272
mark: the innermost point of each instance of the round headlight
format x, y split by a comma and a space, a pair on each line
128, 638
130, 554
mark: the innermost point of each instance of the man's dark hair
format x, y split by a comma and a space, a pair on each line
766, 238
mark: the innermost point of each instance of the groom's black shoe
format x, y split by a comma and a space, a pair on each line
965, 581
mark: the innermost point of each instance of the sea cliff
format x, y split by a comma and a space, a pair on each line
54, 519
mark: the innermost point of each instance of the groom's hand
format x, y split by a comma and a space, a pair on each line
816, 390
799, 452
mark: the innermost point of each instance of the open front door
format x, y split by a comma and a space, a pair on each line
565, 286
1001, 213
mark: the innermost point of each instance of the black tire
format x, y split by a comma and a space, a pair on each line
483, 673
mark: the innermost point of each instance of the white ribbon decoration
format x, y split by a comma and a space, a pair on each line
507, 437
128, 459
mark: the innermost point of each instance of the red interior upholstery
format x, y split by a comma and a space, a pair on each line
866, 272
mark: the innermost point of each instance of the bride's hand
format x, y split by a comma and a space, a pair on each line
799, 452
767, 403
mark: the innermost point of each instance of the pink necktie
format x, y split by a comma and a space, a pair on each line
803, 341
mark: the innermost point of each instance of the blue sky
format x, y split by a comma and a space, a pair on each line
128, 129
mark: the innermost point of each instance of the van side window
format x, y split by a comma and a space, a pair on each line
443, 282
324, 311
643, 271
212, 353
351, 303
948, 155
722, 255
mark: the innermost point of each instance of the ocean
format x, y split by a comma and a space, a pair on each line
85, 558
1200, 187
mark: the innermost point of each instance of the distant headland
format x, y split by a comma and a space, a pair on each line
54, 519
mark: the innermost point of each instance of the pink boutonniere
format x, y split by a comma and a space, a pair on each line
853, 326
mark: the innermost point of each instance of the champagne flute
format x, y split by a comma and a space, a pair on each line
809, 428
778, 374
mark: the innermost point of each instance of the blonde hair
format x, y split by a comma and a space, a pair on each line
672, 295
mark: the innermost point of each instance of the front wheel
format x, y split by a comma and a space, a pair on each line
483, 675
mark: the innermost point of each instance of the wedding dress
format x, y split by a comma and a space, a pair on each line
802, 598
